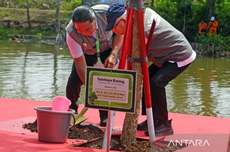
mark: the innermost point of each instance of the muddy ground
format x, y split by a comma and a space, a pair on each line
90, 133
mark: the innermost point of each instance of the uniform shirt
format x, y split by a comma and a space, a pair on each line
80, 44
212, 25
202, 26
75, 49
168, 44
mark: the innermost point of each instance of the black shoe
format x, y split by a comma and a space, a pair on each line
142, 126
103, 123
162, 128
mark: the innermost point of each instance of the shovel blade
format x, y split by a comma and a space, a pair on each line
80, 119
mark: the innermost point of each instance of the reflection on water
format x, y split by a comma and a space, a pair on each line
33, 71
203, 89
40, 72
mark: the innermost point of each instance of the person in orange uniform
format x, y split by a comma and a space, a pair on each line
202, 27
212, 26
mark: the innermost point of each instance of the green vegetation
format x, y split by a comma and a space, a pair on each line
4, 14
3, 33
70, 5
184, 15
30, 32
217, 41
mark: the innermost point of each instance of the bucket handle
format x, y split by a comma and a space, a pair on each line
73, 121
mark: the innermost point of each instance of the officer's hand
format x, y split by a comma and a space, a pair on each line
110, 61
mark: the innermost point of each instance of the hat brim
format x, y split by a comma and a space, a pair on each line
110, 26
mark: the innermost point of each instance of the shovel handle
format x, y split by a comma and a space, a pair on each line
83, 111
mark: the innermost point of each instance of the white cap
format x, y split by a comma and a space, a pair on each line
212, 18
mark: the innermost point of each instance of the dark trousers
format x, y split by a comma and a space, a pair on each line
159, 77
74, 84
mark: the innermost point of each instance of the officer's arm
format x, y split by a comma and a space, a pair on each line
111, 59
78, 56
117, 42
80, 65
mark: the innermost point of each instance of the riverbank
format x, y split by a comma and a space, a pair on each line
200, 49
208, 49
14, 22
15, 25
53, 40
12, 18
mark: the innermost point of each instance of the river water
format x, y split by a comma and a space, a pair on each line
40, 71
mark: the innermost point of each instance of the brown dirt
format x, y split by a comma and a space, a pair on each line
142, 145
92, 133
86, 132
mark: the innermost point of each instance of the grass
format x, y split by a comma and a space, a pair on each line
35, 15
38, 18
27, 31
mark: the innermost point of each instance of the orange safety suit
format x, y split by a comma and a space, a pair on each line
202, 28
212, 26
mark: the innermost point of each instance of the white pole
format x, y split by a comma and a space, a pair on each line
108, 130
151, 128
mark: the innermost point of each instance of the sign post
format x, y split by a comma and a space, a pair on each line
112, 90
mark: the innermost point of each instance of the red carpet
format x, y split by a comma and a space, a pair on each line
205, 134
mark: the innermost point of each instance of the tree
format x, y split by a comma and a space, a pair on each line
128, 136
57, 26
57, 21
152, 3
28, 14
210, 5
